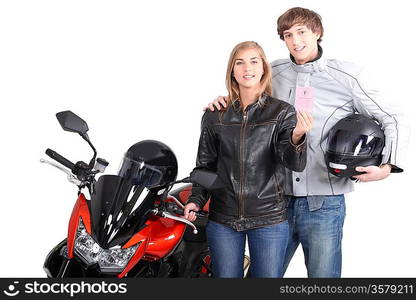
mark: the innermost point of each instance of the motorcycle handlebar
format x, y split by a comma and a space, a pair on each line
177, 210
197, 213
59, 158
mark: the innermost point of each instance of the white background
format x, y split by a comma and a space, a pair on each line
139, 70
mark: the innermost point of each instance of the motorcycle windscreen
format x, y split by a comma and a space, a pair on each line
118, 210
349, 143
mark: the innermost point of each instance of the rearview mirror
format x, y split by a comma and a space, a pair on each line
207, 179
71, 122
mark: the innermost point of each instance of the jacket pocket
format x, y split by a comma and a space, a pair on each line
280, 199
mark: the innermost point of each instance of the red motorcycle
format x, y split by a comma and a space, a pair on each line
128, 225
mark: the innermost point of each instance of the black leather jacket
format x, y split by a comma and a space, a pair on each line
248, 150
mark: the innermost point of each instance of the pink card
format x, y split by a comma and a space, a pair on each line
304, 98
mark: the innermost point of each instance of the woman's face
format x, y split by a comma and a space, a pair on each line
248, 68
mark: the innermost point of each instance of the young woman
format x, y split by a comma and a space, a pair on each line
248, 145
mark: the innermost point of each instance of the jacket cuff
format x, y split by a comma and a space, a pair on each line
196, 201
299, 147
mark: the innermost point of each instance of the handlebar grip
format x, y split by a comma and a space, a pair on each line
197, 213
59, 158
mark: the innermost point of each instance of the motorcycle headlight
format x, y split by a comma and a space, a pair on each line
109, 260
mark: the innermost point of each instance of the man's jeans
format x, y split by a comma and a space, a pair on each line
320, 233
267, 246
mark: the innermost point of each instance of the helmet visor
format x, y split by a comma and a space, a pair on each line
350, 143
140, 173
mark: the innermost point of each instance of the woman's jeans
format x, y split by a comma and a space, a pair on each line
267, 246
320, 233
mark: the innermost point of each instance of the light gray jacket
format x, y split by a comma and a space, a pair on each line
339, 91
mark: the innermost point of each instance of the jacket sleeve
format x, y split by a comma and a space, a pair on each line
206, 159
291, 156
370, 102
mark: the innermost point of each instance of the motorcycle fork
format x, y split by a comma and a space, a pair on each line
191, 258
63, 268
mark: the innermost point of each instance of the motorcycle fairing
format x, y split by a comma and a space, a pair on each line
155, 245
164, 236
113, 221
80, 210
141, 237
158, 239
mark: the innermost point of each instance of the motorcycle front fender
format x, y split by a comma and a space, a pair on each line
54, 260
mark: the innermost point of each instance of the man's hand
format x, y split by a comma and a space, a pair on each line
218, 103
189, 211
373, 173
303, 125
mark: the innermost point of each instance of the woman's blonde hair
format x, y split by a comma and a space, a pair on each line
232, 84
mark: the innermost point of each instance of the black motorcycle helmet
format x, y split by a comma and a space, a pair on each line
355, 140
150, 164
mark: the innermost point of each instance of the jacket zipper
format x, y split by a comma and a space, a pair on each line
242, 135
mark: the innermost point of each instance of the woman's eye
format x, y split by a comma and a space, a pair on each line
238, 63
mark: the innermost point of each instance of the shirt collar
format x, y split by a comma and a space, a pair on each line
315, 65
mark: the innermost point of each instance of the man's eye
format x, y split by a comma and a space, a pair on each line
302, 32
286, 36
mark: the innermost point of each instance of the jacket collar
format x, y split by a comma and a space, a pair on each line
316, 65
236, 104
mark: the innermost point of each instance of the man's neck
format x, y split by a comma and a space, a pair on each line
317, 55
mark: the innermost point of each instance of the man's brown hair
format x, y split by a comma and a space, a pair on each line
301, 16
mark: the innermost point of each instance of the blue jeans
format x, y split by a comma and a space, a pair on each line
267, 246
319, 232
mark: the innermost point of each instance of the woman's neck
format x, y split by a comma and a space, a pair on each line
248, 96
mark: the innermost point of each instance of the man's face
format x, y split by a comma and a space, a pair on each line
302, 43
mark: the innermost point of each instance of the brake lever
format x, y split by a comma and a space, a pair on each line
170, 216
179, 203
71, 177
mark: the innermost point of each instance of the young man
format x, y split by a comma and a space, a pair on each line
316, 208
